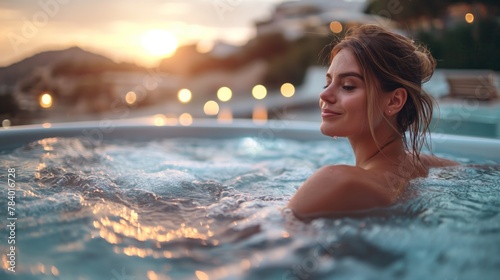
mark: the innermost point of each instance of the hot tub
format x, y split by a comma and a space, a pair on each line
130, 200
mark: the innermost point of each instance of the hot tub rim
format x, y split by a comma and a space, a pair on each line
143, 129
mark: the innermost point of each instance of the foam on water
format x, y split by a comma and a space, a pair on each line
190, 208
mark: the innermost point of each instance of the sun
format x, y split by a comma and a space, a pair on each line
159, 43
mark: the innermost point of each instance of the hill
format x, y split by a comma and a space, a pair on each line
68, 61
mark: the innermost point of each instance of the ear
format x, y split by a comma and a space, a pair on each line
396, 101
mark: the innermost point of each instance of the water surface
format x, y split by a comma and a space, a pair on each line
212, 209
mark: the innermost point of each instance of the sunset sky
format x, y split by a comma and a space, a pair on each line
124, 30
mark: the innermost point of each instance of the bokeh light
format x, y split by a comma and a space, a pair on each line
6, 123
46, 125
259, 115
159, 120
225, 116
130, 97
287, 90
224, 94
186, 119
184, 95
259, 92
336, 27
211, 108
469, 18
46, 100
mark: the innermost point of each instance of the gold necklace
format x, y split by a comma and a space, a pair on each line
379, 150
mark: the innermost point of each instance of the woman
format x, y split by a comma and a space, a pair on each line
373, 96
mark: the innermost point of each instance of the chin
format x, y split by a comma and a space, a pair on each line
326, 130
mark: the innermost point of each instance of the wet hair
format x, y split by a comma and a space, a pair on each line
390, 61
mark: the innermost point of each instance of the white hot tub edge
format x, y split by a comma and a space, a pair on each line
144, 129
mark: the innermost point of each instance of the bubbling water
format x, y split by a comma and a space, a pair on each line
214, 209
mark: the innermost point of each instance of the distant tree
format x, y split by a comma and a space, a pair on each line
8, 105
291, 65
458, 45
410, 10
466, 46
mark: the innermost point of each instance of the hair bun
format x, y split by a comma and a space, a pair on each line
427, 64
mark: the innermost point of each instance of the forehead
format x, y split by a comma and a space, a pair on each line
344, 61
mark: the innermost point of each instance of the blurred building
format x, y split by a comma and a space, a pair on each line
296, 18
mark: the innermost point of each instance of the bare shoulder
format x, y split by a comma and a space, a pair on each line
431, 161
339, 188
341, 173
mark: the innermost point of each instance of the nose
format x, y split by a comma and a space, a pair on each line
327, 96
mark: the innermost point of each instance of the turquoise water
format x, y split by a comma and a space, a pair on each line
212, 209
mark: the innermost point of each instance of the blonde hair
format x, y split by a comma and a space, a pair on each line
393, 61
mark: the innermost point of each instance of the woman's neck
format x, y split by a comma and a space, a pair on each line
367, 151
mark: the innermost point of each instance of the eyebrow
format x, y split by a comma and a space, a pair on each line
347, 74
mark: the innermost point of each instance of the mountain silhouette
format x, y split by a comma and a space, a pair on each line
73, 56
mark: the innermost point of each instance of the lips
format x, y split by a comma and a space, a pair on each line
329, 113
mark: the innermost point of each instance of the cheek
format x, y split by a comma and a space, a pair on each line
357, 107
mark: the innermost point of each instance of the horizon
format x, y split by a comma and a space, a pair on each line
126, 31
89, 50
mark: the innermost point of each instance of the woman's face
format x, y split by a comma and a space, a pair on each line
343, 102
